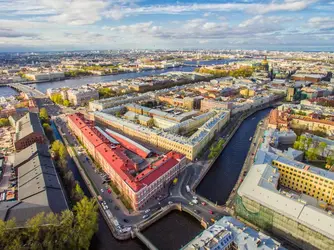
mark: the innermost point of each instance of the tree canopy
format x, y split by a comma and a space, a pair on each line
68, 230
4, 122
43, 115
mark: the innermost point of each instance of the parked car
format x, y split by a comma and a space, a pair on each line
147, 211
102, 190
203, 203
196, 211
191, 204
126, 220
211, 212
145, 216
170, 203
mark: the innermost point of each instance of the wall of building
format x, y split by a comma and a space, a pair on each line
306, 182
281, 225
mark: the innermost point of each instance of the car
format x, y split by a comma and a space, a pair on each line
195, 197
196, 211
147, 211
191, 204
170, 203
211, 212
109, 190
145, 216
126, 220
102, 190
203, 203
116, 208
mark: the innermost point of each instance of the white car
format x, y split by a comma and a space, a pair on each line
102, 190
147, 211
170, 203
145, 216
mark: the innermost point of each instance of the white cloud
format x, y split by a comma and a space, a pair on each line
322, 23
70, 12
253, 8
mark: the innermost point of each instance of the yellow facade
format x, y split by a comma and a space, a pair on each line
306, 182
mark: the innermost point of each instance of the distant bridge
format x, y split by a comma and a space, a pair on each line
29, 91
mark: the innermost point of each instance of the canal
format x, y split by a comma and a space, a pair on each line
221, 178
173, 231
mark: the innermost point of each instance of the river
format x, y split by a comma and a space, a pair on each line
77, 82
221, 178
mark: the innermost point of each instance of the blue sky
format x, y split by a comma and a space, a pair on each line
166, 24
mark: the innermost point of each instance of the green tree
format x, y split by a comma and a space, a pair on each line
78, 194
43, 115
309, 142
34, 232
9, 237
57, 98
66, 103
105, 93
311, 154
63, 154
321, 148
86, 218
330, 160
48, 131
55, 148
4, 122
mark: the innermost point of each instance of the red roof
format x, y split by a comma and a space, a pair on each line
118, 160
92, 136
122, 165
78, 120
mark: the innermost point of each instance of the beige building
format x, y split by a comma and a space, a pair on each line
82, 95
190, 146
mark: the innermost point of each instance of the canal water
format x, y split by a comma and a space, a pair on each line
221, 178
173, 231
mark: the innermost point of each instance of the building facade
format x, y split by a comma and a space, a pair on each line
138, 186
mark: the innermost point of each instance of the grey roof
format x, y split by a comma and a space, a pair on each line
39, 189
28, 124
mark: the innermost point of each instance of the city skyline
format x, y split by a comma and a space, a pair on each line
44, 25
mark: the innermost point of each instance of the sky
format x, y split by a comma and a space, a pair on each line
44, 25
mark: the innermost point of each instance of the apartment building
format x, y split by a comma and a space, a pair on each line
303, 178
138, 186
82, 95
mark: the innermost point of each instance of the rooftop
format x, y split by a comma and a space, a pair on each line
260, 185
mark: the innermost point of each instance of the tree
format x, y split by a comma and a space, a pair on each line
4, 122
43, 115
78, 194
86, 218
63, 153
66, 103
48, 131
55, 148
57, 98
330, 160
105, 93
33, 231
321, 148
311, 154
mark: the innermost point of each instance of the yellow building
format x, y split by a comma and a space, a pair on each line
311, 181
